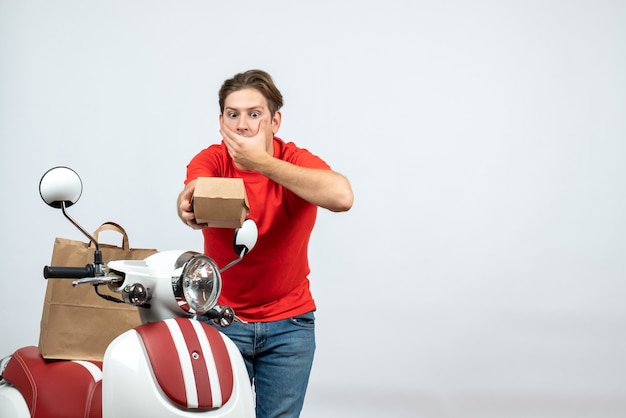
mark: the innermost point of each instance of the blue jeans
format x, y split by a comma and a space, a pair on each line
278, 356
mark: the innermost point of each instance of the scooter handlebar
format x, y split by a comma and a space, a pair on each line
52, 272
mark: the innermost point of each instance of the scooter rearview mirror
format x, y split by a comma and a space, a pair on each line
60, 186
243, 241
245, 237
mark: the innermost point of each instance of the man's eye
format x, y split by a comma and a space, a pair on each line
232, 115
255, 114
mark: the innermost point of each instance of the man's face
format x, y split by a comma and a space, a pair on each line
245, 109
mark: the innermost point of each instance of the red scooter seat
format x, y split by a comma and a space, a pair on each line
56, 388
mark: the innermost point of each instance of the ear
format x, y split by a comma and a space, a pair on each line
276, 121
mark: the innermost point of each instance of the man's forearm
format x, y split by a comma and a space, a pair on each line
324, 188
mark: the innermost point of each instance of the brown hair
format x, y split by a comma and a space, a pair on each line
255, 79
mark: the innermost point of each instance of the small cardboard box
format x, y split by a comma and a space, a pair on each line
220, 202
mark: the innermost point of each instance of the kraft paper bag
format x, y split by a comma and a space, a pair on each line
76, 323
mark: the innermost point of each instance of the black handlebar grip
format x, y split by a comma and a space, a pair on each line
51, 272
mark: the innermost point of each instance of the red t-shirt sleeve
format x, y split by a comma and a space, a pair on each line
207, 163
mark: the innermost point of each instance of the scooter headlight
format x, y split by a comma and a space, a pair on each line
196, 282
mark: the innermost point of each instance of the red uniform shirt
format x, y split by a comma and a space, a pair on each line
271, 282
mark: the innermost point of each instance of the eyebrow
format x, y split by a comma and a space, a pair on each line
238, 110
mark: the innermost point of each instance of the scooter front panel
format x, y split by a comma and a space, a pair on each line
190, 362
130, 389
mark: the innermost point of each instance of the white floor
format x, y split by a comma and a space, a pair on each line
343, 404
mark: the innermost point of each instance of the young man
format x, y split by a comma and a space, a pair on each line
269, 288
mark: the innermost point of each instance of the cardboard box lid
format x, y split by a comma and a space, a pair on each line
220, 202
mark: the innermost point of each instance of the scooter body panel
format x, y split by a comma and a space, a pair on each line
130, 388
12, 403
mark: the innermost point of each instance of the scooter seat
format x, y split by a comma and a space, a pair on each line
56, 388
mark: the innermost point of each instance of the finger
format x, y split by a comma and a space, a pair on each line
261, 126
228, 132
195, 225
228, 137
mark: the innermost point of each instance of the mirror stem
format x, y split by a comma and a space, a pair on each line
235, 261
97, 254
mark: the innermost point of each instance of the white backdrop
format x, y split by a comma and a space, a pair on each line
481, 272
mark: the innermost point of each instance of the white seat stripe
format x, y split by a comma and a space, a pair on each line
95, 371
216, 387
185, 363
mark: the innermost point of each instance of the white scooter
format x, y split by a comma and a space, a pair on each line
170, 366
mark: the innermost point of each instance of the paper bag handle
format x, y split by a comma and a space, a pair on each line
112, 226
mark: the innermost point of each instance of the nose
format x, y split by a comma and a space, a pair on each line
242, 124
